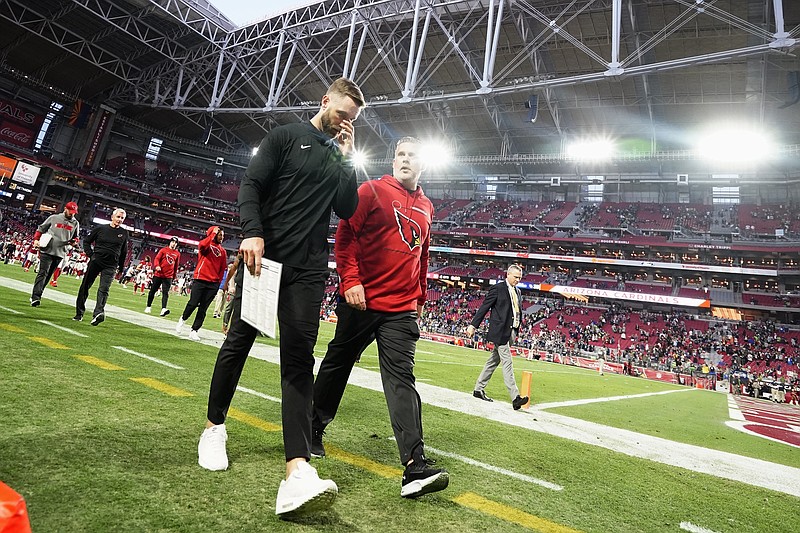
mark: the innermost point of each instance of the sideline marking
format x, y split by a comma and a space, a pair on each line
143, 356
688, 526
510, 514
719, 464
62, 328
492, 468
585, 401
49, 343
105, 365
259, 394
382, 470
12, 329
251, 420
162, 387
12, 311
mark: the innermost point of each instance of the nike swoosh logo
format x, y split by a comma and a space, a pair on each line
305, 146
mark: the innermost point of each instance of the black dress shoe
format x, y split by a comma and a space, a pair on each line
519, 402
482, 395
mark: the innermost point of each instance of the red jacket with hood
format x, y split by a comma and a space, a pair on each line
212, 260
384, 246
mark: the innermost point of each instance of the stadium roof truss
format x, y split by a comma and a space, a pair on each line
643, 71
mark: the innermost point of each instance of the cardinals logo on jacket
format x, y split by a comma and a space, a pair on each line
410, 231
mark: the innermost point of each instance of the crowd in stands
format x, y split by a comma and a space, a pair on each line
673, 341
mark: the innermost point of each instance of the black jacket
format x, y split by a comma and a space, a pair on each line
107, 246
498, 300
287, 193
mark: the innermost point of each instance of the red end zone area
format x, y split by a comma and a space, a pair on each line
777, 422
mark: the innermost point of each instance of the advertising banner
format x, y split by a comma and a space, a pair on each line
26, 173
7, 165
17, 135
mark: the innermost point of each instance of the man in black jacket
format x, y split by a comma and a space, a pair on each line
107, 247
504, 300
298, 174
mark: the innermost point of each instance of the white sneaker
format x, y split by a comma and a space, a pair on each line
304, 492
193, 336
211, 453
179, 327
148, 310
164, 311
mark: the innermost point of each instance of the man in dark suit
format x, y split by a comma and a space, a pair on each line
504, 301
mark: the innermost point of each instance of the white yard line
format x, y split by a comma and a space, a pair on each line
688, 526
754, 472
149, 358
259, 394
492, 468
62, 328
586, 401
12, 311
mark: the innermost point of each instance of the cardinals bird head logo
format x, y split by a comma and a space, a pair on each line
410, 231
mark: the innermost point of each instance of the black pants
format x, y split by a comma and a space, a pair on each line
47, 265
203, 293
106, 277
165, 284
299, 301
397, 335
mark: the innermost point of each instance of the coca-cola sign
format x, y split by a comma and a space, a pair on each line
16, 135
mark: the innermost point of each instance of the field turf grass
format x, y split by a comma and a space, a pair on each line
98, 439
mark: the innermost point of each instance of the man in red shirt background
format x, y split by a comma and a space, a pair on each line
165, 266
212, 260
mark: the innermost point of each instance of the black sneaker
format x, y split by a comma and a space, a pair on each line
78, 317
482, 395
35, 302
98, 319
317, 448
519, 402
421, 478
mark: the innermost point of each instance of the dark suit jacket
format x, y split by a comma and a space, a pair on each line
502, 318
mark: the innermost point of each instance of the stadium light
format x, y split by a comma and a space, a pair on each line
734, 143
436, 154
359, 159
255, 150
591, 150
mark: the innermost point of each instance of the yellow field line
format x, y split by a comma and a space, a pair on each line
105, 365
162, 387
49, 343
251, 420
510, 514
12, 329
362, 462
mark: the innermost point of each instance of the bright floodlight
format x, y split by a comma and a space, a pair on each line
255, 150
735, 144
435, 154
359, 158
591, 150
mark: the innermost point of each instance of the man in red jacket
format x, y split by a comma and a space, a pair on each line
212, 261
382, 260
164, 267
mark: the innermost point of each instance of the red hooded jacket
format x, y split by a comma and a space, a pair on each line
384, 246
212, 260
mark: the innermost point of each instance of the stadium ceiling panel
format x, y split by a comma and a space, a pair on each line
464, 70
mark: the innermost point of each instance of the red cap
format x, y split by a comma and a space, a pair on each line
71, 206
211, 230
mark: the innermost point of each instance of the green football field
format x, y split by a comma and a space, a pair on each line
100, 431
